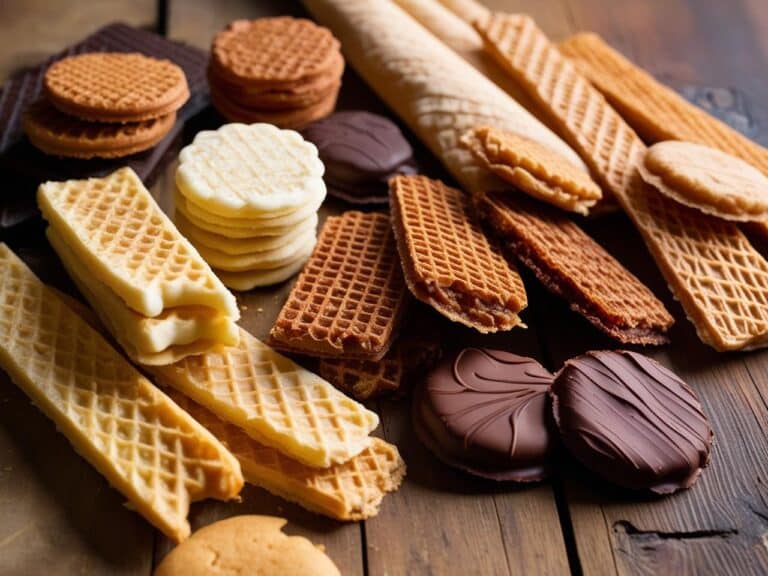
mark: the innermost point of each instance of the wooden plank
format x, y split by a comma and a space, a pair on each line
31, 30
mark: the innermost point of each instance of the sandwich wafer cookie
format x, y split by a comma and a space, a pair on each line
710, 266
148, 448
619, 304
448, 262
349, 491
275, 401
349, 300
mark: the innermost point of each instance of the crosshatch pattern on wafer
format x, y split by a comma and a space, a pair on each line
449, 263
154, 453
349, 299
574, 266
710, 266
349, 491
120, 232
273, 50
275, 401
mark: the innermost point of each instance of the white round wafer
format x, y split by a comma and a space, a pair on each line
251, 170
256, 278
268, 260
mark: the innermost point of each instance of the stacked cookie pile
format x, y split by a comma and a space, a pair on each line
106, 105
284, 71
247, 198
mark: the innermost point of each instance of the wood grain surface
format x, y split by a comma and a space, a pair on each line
59, 516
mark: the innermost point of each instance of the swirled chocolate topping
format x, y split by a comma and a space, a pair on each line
631, 420
486, 411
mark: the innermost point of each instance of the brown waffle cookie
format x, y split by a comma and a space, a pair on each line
710, 266
447, 260
58, 134
572, 265
533, 168
350, 297
116, 87
654, 110
273, 51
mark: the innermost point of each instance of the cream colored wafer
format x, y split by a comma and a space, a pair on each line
707, 179
349, 491
118, 231
533, 169
250, 171
710, 266
235, 246
266, 260
164, 339
276, 401
249, 280
149, 449
468, 10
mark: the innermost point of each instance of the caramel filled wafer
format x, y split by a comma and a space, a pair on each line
352, 490
710, 266
447, 260
348, 301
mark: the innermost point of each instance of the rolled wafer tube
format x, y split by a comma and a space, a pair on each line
468, 10
710, 266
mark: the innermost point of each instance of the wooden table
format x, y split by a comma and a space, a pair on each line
59, 516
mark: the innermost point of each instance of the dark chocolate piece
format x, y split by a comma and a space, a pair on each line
24, 167
486, 411
632, 421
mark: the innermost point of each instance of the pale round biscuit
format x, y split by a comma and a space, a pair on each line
235, 246
250, 171
254, 279
247, 544
707, 179
267, 260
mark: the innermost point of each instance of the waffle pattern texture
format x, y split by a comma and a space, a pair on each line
448, 261
350, 297
149, 449
115, 227
710, 266
349, 491
275, 401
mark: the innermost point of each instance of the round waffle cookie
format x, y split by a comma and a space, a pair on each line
58, 134
250, 171
116, 87
273, 51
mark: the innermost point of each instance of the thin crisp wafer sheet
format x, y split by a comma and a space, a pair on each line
350, 297
349, 491
710, 266
118, 231
275, 401
448, 261
149, 449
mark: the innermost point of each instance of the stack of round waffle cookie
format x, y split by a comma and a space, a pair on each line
247, 198
284, 71
106, 105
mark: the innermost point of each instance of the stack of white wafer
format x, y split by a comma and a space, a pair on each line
149, 285
247, 197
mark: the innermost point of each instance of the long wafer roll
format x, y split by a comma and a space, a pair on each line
710, 266
468, 10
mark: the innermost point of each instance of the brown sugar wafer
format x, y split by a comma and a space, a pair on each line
710, 266
58, 134
581, 271
655, 111
533, 168
448, 261
350, 297
116, 86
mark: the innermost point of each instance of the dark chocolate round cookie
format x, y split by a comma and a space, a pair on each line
631, 420
486, 412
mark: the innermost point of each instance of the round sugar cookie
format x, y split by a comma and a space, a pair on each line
247, 544
250, 171
59, 134
256, 278
265, 260
710, 180
116, 86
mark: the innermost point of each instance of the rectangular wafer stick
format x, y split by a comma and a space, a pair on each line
719, 278
149, 449
349, 299
275, 401
349, 491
